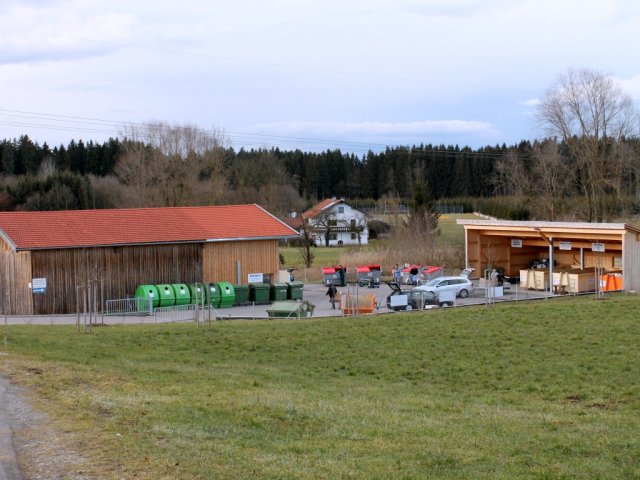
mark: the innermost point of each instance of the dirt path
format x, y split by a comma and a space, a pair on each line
29, 447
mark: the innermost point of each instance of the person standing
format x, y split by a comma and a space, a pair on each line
331, 293
397, 274
414, 275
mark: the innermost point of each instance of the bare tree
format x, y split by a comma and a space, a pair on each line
175, 140
325, 224
590, 114
356, 225
511, 176
264, 180
306, 242
551, 179
165, 165
48, 167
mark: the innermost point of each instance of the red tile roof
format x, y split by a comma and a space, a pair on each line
92, 228
317, 209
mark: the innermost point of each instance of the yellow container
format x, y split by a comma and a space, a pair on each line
580, 281
540, 279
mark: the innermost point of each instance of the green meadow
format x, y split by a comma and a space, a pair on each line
536, 390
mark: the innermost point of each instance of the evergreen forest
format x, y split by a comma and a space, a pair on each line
525, 181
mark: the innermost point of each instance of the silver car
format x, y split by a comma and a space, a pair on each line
460, 285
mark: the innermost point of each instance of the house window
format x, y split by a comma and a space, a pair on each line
354, 236
340, 209
353, 223
332, 223
333, 236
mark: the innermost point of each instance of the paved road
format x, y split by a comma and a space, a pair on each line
8, 461
314, 293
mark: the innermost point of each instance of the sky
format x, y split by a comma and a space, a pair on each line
356, 75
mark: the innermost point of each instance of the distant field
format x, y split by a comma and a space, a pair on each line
537, 390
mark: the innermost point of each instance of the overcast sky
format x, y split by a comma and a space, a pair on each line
348, 74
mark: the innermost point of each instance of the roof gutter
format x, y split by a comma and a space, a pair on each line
246, 239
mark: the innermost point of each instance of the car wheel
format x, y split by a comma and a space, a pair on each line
464, 293
408, 308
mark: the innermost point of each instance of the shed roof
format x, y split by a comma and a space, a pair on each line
550, 227
135, 226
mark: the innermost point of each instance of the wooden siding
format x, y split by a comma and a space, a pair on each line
121, 270
631, 259
15, 277
219, 260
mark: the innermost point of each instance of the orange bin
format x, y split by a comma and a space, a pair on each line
356, 304
611, 282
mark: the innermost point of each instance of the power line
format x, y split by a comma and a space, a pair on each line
71, 123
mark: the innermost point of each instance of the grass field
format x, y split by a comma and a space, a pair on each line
540, 390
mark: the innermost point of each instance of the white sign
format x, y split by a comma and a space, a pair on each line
565, 246
516, 243
254, 278
38, 285
597, 247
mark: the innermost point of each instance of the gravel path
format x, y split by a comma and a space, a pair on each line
29, 447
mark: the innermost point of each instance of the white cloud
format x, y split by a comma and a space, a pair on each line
532, 102
631, 86
56, 31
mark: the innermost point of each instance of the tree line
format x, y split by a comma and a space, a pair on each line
150, 175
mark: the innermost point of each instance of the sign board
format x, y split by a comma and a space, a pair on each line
516, 243
565, 246
597, 247
38, 285
254, 278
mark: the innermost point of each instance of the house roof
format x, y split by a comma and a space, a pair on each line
135, 226
320, 207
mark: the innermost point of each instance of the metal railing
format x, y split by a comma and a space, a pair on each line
175, 313
129, 306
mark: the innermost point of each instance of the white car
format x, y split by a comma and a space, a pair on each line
461, 286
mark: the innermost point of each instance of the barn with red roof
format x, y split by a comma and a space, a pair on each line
123, 248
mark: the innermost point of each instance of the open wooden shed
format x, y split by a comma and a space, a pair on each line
123, 248
517, 245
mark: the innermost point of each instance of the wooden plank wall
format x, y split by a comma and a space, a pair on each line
15, 276
122, 269
219, 259
631, 267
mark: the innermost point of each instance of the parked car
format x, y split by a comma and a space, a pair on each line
409, 299
460, 285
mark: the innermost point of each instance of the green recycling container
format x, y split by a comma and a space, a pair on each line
227, 294
183, 294
242, 294
259, 292
278, 292
166, 295
294, 290
148, 292
290, 309
213, 295
197, 293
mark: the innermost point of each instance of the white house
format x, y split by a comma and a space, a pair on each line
335, 222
